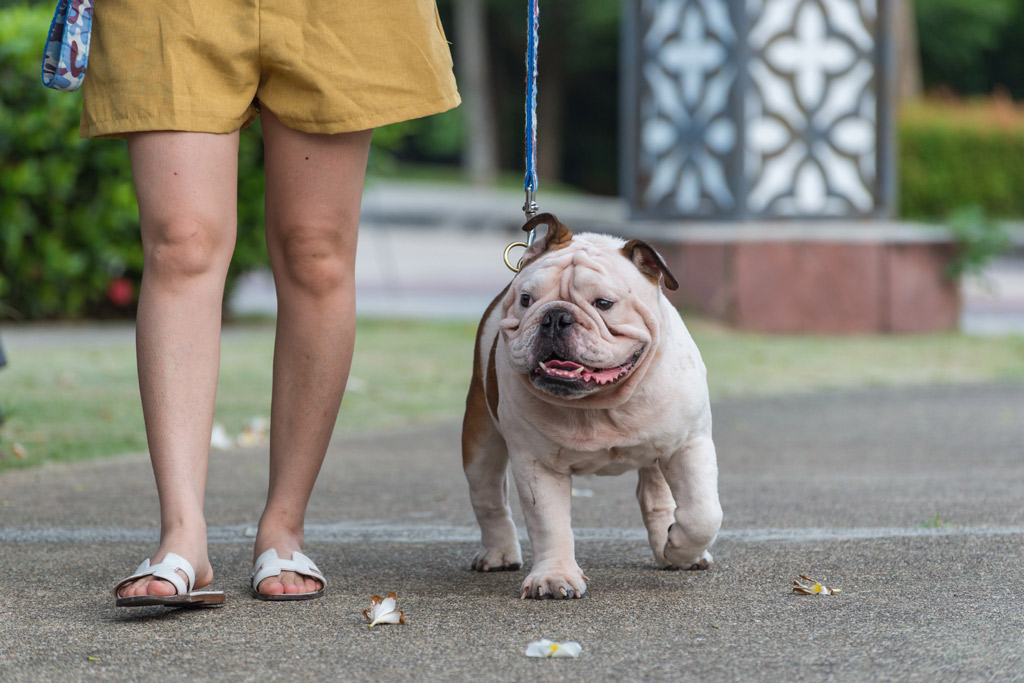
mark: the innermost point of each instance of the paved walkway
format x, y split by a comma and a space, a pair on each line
908, 500
436, 252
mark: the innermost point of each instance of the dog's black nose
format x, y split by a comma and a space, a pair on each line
556, 321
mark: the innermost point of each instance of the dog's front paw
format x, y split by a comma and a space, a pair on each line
555, 582
498, 559
679, 561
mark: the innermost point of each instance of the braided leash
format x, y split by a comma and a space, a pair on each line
530, 184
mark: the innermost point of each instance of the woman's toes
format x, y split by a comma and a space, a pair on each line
271, 586
159, 587
294, 584
290, 583
147, 587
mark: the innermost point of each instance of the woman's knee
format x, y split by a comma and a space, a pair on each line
187, 246
317, 259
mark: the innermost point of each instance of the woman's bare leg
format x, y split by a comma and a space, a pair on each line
186, 185
314, 190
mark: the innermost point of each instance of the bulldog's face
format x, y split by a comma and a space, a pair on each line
581, 318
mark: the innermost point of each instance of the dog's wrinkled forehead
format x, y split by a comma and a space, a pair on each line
588, 257
559, 243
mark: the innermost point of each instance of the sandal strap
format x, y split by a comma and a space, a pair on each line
166, 570
270, 564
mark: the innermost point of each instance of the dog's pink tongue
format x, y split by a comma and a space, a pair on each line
570, 370
602, 376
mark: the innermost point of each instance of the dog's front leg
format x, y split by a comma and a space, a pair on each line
546, 496
692, 475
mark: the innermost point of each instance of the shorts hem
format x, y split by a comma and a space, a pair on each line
366, 121
120, 128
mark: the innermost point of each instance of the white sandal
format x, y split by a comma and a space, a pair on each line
269, 564
168, 571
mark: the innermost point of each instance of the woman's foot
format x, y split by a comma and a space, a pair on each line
191, 546
287, 582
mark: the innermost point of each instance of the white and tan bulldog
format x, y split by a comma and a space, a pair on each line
583, 366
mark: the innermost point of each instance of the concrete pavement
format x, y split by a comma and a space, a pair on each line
907, 499
910, 500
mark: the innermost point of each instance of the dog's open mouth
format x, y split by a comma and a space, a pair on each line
570, 371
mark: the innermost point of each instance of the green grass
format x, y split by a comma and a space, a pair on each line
72, 401
757, 365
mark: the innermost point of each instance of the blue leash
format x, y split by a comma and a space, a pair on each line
531, 183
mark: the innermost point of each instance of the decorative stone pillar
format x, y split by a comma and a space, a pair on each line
758, 157
757, 109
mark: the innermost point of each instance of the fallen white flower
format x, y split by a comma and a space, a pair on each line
813, 587
384, 610
219, 439
254, 433
549, 648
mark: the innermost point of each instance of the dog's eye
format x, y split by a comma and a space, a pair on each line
524, 300
603, 304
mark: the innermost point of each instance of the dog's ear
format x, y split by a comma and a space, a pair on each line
557, 236
650, 263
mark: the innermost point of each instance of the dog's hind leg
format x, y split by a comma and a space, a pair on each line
485, 462
657, 507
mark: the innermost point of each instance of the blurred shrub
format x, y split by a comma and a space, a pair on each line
967, 154
69, 235
978, 240
959, 40
68, 221
432, 140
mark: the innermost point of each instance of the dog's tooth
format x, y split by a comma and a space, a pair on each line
578, 371
542, 366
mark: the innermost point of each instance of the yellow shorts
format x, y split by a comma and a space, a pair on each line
322, 66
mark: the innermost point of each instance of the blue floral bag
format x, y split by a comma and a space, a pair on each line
67, 45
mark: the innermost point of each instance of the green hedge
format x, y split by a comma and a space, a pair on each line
955, 155
69, 243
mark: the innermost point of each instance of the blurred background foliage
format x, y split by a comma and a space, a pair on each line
971, 47
68, 219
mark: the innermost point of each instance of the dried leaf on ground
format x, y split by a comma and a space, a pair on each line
813, 587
